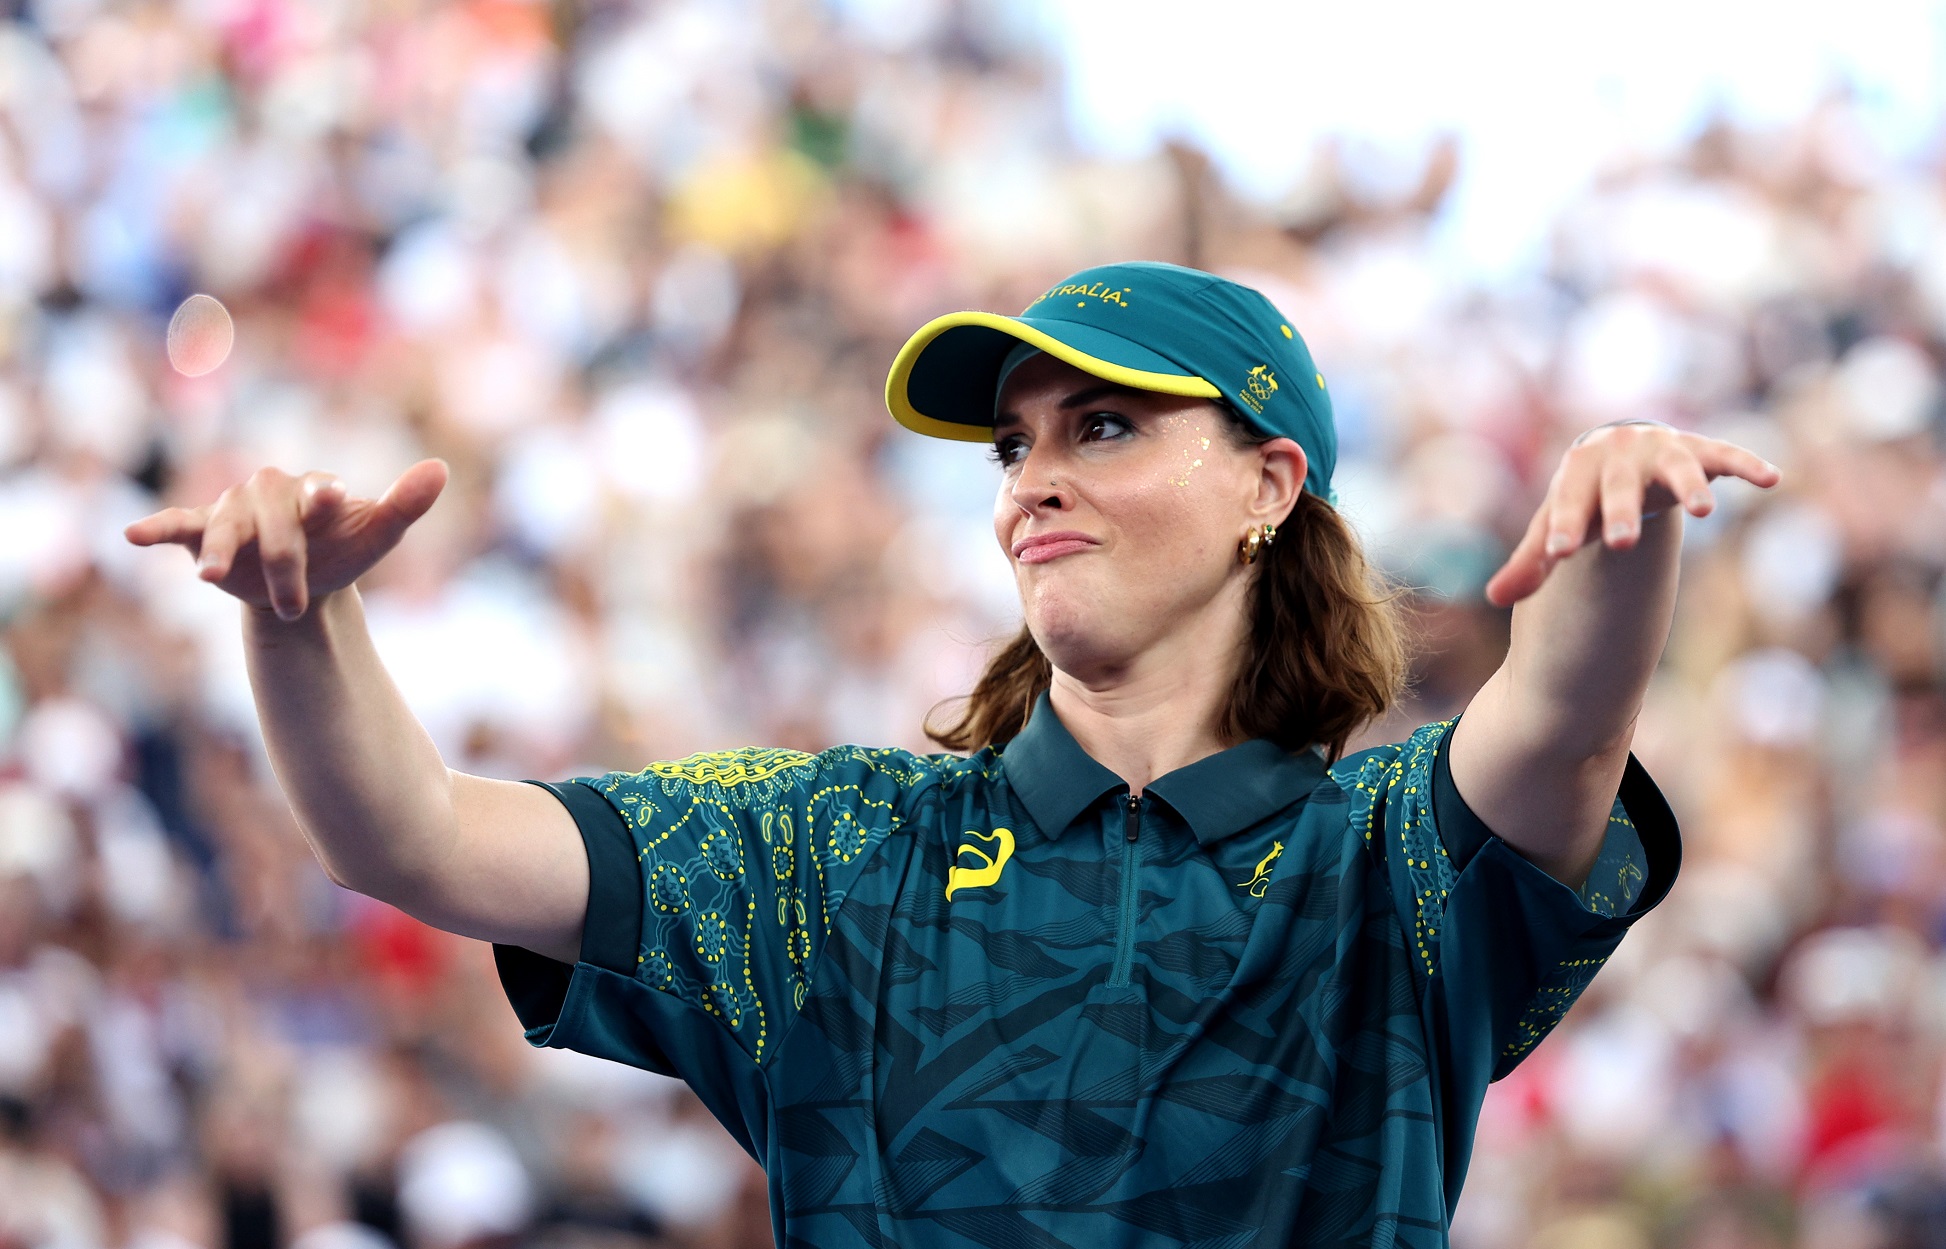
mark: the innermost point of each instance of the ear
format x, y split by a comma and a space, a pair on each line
1284, 465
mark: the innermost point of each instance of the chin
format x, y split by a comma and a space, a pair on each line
1075, 631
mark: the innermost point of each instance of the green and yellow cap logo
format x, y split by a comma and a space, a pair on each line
1143, 324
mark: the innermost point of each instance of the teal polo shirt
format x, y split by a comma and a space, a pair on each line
998, 1001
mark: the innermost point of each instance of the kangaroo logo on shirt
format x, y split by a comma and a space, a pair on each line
989, 867
1259, 882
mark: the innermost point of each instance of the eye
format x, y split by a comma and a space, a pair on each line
1099, 426
1007, 451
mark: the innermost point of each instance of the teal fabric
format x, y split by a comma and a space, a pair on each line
995, 1001
1159, 318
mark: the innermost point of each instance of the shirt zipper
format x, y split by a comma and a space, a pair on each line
1131, 866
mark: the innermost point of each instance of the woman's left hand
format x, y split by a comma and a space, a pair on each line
1608, 481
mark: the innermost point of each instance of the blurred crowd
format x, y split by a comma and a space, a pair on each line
636, 271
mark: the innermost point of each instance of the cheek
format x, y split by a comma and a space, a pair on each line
1186, 499
1188, 450
1007, 517
1172, 528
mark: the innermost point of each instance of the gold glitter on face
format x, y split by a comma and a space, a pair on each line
1192, 460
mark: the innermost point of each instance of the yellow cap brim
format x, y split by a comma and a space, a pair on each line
898, 399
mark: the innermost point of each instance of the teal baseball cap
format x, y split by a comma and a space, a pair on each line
1143, 324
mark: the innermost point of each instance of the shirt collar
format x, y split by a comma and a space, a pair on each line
1227, 792
1054, 777
1216, 796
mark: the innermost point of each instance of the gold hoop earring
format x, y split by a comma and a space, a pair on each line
1250, 546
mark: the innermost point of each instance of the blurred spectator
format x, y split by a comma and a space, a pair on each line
637, 273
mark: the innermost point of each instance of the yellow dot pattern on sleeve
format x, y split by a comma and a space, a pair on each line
1557, 992
735, 847
1392, 788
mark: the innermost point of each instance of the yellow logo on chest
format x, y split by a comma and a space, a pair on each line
1259, 881
988, 871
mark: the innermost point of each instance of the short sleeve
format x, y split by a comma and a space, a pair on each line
713, 883
1503, 947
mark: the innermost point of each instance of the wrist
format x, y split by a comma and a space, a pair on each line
268, 623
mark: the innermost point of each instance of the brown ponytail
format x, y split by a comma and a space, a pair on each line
1326, 654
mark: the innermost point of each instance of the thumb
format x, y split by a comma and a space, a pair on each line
412, 495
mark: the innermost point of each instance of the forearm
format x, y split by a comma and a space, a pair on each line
364, 779
1542, 747
1585, 644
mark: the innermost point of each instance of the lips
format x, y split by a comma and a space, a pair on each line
1042, 547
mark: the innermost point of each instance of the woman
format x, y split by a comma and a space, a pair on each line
1151, 964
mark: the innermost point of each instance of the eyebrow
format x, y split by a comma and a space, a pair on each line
1077, 399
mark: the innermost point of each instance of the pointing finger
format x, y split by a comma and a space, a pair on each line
171, 524
1727, 459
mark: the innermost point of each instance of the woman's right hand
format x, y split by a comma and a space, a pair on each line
278, 542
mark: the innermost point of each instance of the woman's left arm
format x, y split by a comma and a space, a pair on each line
1539, 754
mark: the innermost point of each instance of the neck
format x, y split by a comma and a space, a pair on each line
1159, 714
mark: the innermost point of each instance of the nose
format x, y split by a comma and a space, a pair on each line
1041, 485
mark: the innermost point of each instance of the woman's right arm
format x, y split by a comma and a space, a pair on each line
497, 860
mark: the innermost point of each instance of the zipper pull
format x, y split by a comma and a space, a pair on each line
1134, 823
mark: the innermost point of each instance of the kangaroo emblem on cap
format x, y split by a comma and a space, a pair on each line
1258, 386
